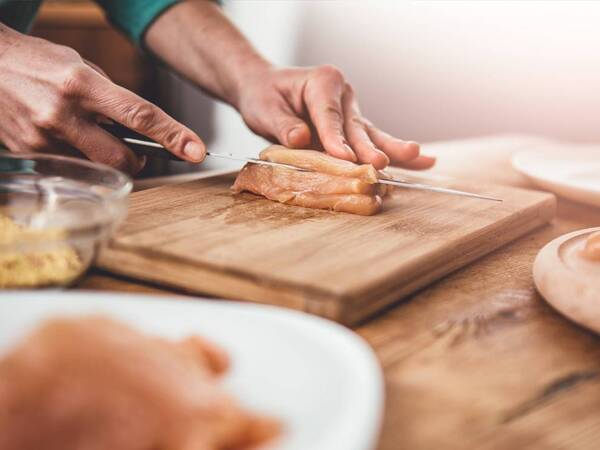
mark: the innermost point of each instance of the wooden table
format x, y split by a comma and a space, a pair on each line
479, 360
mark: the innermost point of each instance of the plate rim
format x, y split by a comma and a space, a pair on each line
550, 183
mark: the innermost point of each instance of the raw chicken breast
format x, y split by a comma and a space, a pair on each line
297, 181
320, 162
96, 384
310, 189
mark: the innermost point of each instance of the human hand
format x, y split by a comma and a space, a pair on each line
50, 100
317, 108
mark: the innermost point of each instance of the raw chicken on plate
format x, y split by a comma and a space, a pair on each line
95, 384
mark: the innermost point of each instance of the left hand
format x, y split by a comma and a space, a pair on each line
316, 107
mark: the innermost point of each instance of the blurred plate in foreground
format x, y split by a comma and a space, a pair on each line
320, 379
573, 175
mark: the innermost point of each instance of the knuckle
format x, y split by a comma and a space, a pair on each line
330, 71
49, 118
174, 140
74, 79
348, 88
369, 125
141, 116
358, 122
66, 52
332, 112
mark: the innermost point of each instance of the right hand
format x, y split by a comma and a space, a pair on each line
51, 99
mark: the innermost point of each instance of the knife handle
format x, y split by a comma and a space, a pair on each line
121, 132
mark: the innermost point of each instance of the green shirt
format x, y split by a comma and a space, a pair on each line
133, 17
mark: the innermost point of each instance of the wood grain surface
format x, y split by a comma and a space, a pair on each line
199, 237
479, 360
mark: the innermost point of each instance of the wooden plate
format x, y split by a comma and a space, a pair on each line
569, 282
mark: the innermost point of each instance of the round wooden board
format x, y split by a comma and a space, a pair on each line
569, 282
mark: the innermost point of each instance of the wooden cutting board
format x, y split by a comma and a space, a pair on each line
197, 237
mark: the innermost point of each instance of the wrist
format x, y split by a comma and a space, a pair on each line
248, 69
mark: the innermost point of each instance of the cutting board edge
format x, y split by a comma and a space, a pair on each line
544, 212
111, 259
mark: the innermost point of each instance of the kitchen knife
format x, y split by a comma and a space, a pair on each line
142, 146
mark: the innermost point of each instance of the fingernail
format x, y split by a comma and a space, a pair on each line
350, 152
193, 151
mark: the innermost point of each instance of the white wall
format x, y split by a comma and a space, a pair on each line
430, 70
441, 69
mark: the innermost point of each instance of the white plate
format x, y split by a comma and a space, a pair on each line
319, 378
574, 175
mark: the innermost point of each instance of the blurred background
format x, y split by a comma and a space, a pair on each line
423, 70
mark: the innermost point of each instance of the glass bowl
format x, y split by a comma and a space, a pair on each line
55, 214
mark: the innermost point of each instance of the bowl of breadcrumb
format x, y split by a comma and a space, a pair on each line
56, 213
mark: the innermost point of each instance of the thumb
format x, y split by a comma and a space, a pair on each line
289, 129
297, 136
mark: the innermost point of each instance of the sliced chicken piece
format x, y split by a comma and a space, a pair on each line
591, 250
320, 162
96, 384
363, 205
297, 181
310, 189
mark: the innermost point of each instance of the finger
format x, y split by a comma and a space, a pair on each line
323, 99
399, 151
193, 438
97, 68
102, 147
285, 126
292, 131
356, 132
421, 162
134, 112
66, 149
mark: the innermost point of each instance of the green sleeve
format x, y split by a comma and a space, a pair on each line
134, 17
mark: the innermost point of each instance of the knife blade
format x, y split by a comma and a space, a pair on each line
161, 152
441, 190
140, 145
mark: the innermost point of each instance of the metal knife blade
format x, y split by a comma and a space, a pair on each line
161, 152
142, 145
441, 190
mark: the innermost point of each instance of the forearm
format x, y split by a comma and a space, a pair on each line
198, 41
8, 37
